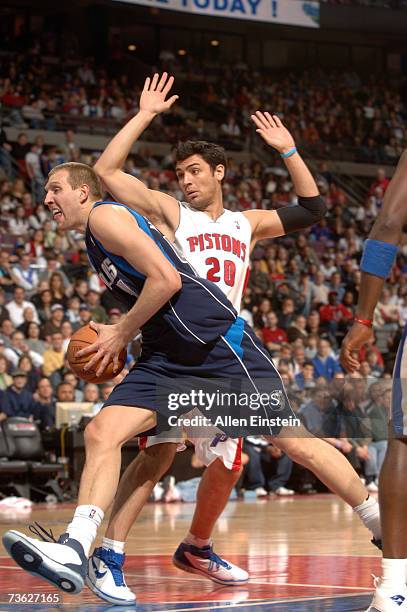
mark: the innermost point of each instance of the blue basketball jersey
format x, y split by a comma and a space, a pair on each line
199, 312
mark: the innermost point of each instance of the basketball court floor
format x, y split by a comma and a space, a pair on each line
304, 554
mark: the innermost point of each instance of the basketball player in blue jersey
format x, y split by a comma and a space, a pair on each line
379, 253
193, 341
205, 232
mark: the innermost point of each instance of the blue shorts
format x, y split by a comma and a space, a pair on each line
232, 382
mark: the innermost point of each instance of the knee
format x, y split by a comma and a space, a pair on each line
158, 458
97, 434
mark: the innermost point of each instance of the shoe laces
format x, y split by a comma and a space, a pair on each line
216, 561
114, 561
40, 532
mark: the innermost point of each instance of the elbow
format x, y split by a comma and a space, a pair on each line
176, 283
172, 283
101, 169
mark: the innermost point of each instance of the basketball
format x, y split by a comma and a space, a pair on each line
82, 338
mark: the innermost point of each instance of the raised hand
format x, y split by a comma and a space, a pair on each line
272, 130
153, 97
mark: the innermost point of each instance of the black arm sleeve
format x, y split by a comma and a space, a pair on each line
309, 211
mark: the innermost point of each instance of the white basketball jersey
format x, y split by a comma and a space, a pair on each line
218, 250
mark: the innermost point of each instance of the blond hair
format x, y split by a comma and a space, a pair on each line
80, 174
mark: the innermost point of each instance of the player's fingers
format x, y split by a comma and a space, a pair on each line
115, 362
262, 119
94, 326
146, 84
93, 361
154, 82
257, 121
171, 101
103, 364
278, 121
168, 85
162, 81
270, 119
92, 348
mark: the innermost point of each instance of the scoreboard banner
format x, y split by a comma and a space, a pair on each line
292, 12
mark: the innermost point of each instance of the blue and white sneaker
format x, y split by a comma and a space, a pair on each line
383, 602
106, 579
205, 562
61, 562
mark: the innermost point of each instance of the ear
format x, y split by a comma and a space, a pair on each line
84, 193
220, 172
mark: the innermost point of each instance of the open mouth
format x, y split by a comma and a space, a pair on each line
57, 214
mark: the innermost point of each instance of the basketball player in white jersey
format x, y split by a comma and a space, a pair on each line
217, 242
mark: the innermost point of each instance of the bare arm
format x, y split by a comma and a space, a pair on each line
159, 207
267, 223
119, 233
387, 228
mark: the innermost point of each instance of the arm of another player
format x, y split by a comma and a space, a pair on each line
125, 188
310, 209
119, 233
379, 253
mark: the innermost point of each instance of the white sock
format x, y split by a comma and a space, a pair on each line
369, 514
115, 545
394, 576
84, 525
198, 542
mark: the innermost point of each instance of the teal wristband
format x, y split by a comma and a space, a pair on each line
289, 153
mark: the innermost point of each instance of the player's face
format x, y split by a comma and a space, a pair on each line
62, 200
199, 183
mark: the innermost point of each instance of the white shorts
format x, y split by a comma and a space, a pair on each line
215, 445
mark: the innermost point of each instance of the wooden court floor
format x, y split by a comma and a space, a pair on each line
304, 554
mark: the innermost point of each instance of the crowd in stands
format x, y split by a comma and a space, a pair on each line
336, 114
300, 299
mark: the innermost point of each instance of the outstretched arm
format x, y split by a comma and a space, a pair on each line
159, 207
379, 252
119, 233
310, 209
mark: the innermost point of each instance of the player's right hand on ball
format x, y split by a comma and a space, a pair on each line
110, 342
153, 97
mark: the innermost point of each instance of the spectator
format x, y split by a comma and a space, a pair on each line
65, 392
17, 306
25, 274
54, 324
54, 356
33, 340
5, 378
324, 364
18, 401
273, 336
18, 348
45, 395
268, 469
378, 412
26, 365
305, 380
